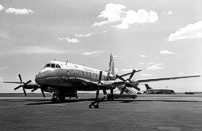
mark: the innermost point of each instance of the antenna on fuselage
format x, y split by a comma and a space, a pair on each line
66, 62
55, 59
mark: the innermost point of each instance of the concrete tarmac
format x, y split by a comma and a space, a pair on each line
146, 113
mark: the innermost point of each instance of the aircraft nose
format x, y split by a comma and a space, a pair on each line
37, 77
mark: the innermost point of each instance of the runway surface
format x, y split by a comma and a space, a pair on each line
146, 113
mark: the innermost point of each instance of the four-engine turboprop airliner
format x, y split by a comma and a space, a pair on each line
64, 79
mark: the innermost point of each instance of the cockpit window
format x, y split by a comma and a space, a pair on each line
47, 65
53, 65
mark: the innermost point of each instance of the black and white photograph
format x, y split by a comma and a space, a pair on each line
104, 65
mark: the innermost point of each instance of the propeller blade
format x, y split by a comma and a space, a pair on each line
131, 75
17, 87
43, 93
104, 91
24, 91
20, 78
123, 89
121, 78
34, 89
137, 88
97, 93
28, 82
100, 77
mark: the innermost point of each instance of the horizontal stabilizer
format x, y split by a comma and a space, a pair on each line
147, 87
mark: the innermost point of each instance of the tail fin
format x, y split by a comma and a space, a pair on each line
111, 66
111, 71
147, 86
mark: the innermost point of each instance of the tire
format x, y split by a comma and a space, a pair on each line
61, 98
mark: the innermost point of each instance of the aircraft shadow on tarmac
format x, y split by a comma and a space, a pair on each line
42, 101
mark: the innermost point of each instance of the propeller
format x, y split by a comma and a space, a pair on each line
22, 84
128, 82
41, 91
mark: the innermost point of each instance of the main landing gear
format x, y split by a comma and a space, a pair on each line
58, 98
110, 97
96, 103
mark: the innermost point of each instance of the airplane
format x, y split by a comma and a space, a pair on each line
64, 79
158, 91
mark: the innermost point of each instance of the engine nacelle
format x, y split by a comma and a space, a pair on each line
135, 84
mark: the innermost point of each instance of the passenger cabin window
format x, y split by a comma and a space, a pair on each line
57, 66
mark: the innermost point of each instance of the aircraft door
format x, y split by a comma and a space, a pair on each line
71, 71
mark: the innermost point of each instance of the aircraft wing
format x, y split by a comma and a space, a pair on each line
12, 82
166, 78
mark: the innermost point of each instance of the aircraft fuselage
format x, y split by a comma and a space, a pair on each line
69, 76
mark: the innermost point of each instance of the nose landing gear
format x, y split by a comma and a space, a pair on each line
58, 97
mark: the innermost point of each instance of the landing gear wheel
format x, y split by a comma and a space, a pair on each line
62, 98
53, 100
96, 106
110, 97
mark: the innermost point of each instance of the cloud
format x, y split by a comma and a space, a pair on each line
150, 63
3, 68
140, 63
181, 73
91, 53
104, 31
191, 31
168, 13
83, 35
19, 11
112, 13
127, 70
139, 17
38, 50
116, 70
117, 56
117, 13
145, 75
1, 79
70, 40
166, 52
1, 7
157, 66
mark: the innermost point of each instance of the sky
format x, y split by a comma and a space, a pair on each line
161, 37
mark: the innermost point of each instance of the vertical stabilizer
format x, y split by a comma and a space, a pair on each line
147, 86
111, 66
